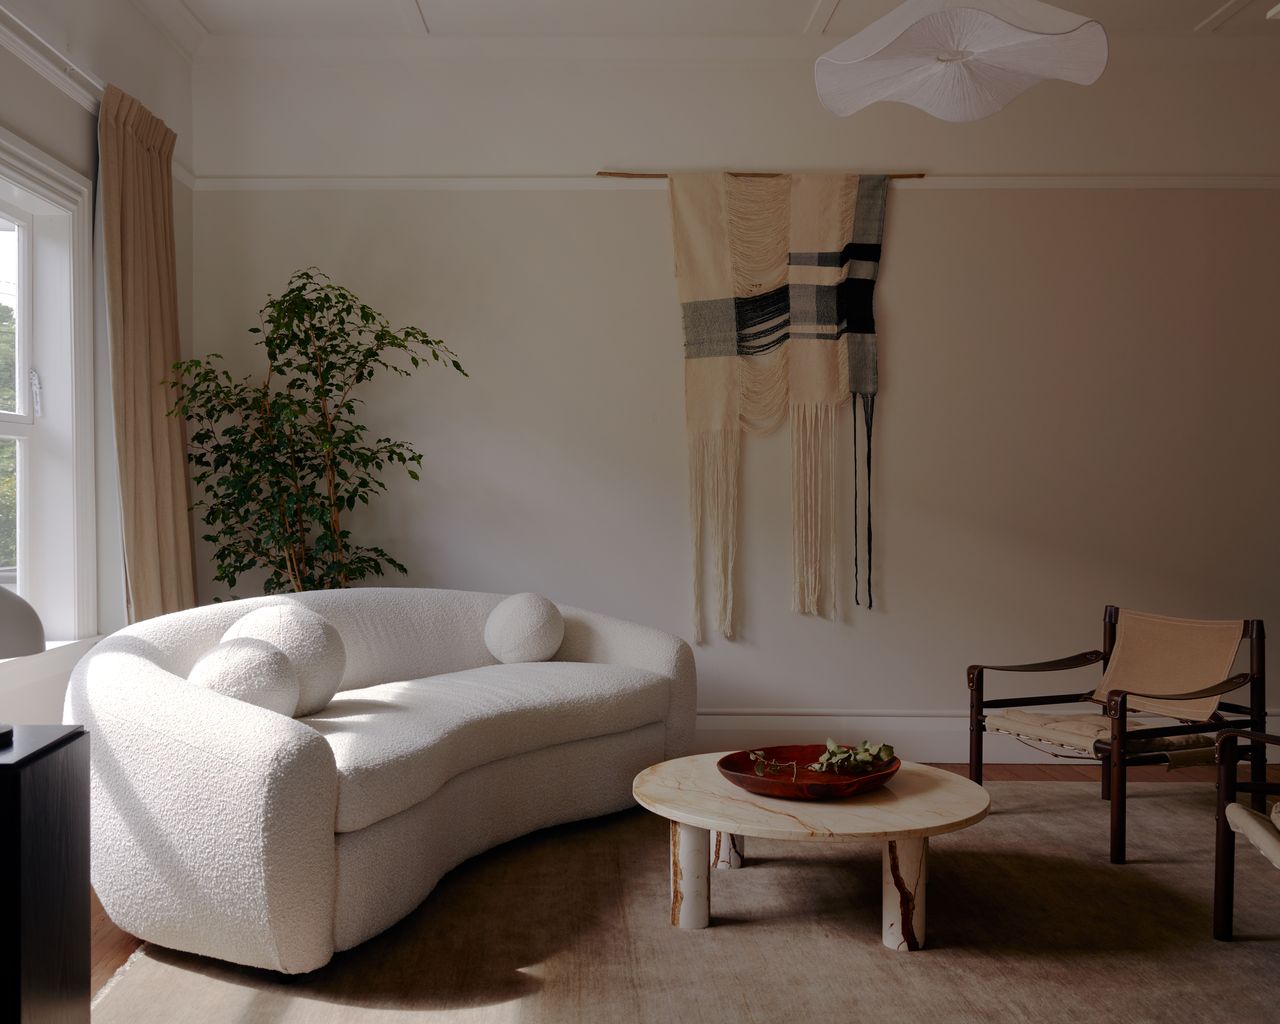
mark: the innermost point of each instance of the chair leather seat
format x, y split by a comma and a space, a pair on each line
1081, 732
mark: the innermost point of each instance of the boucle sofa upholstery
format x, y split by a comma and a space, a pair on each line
227, 829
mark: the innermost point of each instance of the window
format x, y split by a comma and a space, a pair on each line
48, 542
15, 417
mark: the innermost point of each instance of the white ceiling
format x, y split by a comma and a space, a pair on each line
192, 22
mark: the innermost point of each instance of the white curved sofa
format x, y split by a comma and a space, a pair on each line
225, 829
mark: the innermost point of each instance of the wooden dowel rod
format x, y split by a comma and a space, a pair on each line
736, 174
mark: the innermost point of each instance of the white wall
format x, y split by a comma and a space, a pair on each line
1074, 412
1195, 105
113, 41
1075, 383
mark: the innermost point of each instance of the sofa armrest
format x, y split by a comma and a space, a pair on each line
212, 819
591, 637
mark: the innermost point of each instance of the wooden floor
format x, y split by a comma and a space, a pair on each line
112, 947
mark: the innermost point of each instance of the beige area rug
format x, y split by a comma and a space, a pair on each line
1027, 922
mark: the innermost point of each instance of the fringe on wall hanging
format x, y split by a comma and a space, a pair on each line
775, 276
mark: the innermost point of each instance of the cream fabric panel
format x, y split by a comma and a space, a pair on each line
136, 199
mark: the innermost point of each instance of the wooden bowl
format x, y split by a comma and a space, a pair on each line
739, 769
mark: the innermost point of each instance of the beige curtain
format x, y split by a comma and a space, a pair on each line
135, 182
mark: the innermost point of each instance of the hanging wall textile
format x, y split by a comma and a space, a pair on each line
775, 276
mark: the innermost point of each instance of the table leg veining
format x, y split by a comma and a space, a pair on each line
727, 850
903, 873
690, 876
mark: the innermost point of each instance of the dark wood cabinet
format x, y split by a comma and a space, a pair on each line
44, 876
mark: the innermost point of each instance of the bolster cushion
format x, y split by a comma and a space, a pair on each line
311, 644
250, 670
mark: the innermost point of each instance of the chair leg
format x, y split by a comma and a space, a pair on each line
976, 725
1117, 756
975, 753
1224, 881
1117, 813
1258, 775
1106, 778
1224, 847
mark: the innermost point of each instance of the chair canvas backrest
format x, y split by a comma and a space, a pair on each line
1158, 654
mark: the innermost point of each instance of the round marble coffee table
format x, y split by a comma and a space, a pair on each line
918, 802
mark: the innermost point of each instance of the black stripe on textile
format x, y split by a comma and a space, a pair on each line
868, 252
868, 411
854, 305
762, 316
768, 346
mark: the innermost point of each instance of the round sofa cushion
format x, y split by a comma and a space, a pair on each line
524, 627
312, 645
250, 670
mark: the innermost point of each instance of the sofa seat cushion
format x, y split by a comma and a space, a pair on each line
395, 744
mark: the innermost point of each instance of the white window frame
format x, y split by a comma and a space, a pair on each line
22, 339
30, 180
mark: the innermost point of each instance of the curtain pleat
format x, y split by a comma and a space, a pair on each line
135, 182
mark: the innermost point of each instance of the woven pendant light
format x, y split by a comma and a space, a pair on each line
960, 60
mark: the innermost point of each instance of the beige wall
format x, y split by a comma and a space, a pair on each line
1076, 409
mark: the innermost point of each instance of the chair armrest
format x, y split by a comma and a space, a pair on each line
212, 819
974, 677
1232, 736
1081, 660
1116, 699
592, 637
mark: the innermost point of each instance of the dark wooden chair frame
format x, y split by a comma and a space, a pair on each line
1224, 859
1115, 754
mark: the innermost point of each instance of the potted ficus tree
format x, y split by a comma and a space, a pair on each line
279, 459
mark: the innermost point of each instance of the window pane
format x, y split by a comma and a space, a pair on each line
8, 316
8, 512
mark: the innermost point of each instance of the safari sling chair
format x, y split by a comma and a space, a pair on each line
1152, 665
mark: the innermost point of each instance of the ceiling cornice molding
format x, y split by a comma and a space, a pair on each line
174, 20
1228, 10
820, 18
81, 85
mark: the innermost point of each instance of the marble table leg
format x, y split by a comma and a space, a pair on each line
727, 850
690, 876
903, 870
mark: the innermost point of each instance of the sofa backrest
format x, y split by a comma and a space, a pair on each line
389, 633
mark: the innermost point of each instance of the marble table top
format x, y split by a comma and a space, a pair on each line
919, 801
